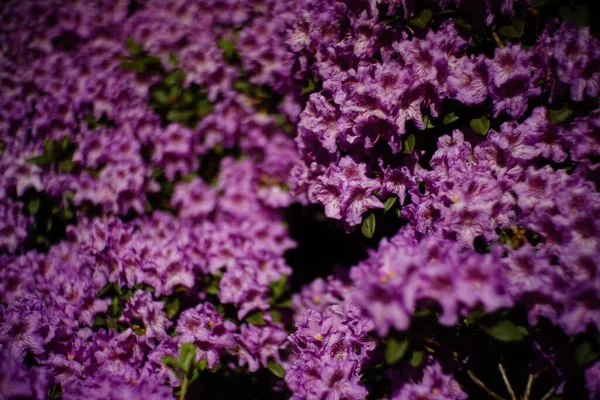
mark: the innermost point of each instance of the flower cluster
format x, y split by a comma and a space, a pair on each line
154, 155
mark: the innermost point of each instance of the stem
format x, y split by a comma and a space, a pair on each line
507, 383
184, 388
497, 39
528, 387
549, 394
482, 386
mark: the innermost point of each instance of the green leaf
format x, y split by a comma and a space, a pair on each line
417, 358
480, 125
172, 364
368, 226
275, 316
395, 350
278, 287
106, 289
389, 203
133, 47
422, 19
256, 318
65, 142
99, 320
202, 364
173, 59
33, 206
213, 287
242, 86
229, 50
276, 369
175, 77
506, 331
179, 115
558, 116
580, 15
513, 31
187, 357
42, 159
203, 107
585, 354
113, 308
55, 392
450, 118
172, 307
409, 144
310, 86
427, 122
66, 166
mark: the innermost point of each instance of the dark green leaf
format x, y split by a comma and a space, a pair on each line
283, 303
422, 19
427, 122
33, 206
187, 357
480, 125
134, 47
276, 369
389, 203
256, 318
506, 331
278, 287
175, 77
395, 350
409, 144
585, 354
203, 107
275, 316
173, 59
42, 159
55, 392
228, 47
66, 166
417, 358
558, 116
580, 15
242, 86
213, 287
202, 364
65, 143
99, 320
460, 22
105, 289
513, 31
368, 226
179, 115
310, 86
172, 307
450, 118
113, 308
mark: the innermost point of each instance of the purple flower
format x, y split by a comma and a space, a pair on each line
435, 385
18, 382
205, 327
258, 344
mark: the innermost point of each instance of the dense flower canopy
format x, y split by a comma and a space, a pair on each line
156, 154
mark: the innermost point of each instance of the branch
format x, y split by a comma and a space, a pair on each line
528, 387
497, 39
549, 394
507, 383
482, 386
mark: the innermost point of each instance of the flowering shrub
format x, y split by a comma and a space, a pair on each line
311, 200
